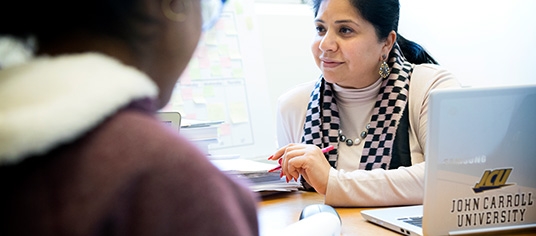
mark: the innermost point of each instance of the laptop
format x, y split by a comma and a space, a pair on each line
480, 165
170, 118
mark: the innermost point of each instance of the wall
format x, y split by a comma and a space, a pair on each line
483, 42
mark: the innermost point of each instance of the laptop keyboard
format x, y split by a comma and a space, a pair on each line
417, 221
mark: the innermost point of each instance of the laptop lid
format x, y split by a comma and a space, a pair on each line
480, 160
480, 164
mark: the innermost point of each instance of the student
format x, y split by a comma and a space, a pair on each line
370, 103
81, 150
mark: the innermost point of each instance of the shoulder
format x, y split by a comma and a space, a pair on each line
171, 172
300, 90
431, 75
297, 96
426, 77
143, 135
291, 111
140, 142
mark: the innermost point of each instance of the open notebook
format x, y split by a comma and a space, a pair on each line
480, 165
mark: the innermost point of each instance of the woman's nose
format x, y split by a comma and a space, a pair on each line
328, 42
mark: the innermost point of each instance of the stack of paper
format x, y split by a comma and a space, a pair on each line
257, 173
201, 133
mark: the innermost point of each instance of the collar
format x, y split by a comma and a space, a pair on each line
351, 96
49, 101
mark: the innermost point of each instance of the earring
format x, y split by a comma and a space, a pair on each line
384, 68
176, 16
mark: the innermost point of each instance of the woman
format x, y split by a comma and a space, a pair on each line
81, 150
369, 103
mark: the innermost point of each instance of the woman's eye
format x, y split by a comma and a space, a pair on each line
320, 29
345, 30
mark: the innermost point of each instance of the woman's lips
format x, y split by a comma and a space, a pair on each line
330, 63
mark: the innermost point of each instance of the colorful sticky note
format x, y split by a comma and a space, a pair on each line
238, 112
208, 91
186, 93
216, 111
216, 71
225, 129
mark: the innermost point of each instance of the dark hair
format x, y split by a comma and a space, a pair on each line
384, 15
51, 19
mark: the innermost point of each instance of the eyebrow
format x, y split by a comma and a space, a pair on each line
338, 21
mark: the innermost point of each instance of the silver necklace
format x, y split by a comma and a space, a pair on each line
350, 142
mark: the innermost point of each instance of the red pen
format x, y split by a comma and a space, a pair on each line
324, 150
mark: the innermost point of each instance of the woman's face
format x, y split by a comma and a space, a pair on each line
346, 47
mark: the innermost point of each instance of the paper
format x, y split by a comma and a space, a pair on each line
242, 165
257, 174
190, 123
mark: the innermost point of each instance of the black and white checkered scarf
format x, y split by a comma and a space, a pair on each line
322, 120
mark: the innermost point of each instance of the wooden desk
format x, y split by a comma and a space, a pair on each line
280, 210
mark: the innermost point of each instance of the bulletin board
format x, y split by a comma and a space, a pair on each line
225, 81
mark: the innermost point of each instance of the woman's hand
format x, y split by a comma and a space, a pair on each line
306, 160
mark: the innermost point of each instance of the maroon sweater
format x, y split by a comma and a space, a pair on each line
131, 175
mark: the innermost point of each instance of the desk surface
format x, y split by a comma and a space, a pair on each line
282, 209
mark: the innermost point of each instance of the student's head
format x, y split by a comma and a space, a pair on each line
155, 36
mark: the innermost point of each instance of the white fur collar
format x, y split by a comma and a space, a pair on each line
49, 101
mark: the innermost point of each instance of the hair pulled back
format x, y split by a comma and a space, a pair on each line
384, 15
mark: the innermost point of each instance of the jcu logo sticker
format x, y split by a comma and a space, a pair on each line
492, 179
